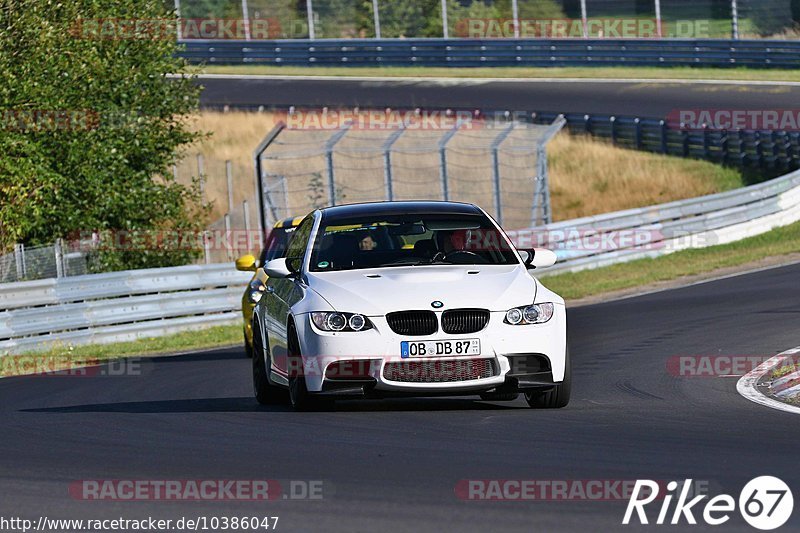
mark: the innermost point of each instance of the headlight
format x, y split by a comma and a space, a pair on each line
530, 314
334, 321
255, 291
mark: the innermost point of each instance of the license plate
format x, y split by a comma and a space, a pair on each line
437, 348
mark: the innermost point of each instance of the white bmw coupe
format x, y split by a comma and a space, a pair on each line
408, 298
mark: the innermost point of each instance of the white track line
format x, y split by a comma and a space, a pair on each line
456, 80
748, 385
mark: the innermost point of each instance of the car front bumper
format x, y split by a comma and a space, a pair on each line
521, 358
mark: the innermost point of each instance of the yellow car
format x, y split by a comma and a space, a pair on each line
274, 249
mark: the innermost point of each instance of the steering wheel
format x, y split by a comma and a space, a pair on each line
456, 253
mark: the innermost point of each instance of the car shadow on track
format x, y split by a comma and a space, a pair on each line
248, 405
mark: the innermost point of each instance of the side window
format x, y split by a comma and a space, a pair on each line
297, 244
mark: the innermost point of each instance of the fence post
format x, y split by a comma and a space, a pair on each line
445, 28
587, 124
228, 237
542, 185
377, 18
498, 196
312, 34
19, 259
206, 248
246, 215
229, 178
584, 20
387, 161
706, 151
663, 124
59, 257
443, 161
658, 18
329, 146
246, 20
178, 16
201, 172
734, 20
515, 15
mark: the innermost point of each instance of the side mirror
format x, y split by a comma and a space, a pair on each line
246, 263
538, 258
277, 269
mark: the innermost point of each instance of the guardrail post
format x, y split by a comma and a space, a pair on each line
724, 140
498, 196
664, 133
685, 140
59, 257
613, 121
587, 124
759, 148
206, 248
706, 151
638, 132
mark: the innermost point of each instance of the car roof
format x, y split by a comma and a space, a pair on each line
428, 207
291, 222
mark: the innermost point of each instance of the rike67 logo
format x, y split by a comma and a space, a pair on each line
765, 503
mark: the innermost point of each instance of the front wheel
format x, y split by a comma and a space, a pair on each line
558, 396
301, 399
265, 392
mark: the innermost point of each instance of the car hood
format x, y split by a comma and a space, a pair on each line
376, 292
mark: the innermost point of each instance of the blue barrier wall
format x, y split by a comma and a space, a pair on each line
498, 52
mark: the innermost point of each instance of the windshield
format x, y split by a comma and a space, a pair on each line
409, 240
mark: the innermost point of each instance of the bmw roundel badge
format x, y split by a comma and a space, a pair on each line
437, 304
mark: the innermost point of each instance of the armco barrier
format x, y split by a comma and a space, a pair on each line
497, 52
116, 307
146, 303
695, 223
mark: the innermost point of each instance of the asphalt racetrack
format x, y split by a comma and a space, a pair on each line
623, 97
394, 465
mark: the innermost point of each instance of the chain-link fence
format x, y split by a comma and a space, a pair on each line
40, 262
288, 19
500, 165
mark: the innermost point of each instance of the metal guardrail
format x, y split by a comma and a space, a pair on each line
119, 306
662, 229
497, 52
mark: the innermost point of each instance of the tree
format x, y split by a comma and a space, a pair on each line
90, 121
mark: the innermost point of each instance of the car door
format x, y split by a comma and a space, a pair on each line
283, 293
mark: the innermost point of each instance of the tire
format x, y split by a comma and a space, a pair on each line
300, 398
265, 392
248, 348
558, 396
499, 396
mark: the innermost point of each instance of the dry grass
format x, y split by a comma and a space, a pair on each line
587, 176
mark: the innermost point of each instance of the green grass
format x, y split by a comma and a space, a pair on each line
573, 285
93, 353
668, 73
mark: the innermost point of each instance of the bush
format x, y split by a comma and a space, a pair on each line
89, 123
